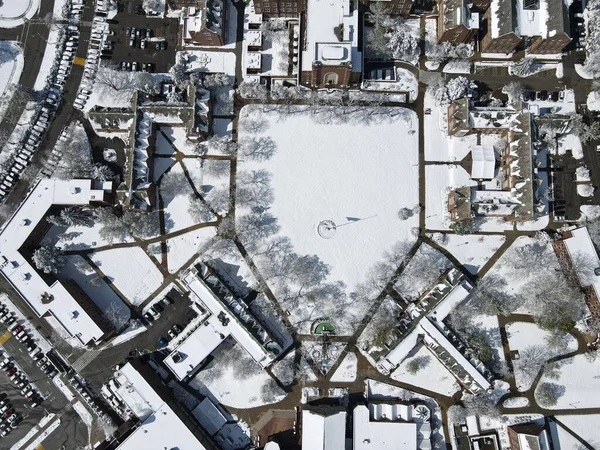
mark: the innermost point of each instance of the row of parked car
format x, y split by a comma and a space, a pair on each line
83, 390
20, 380
134, 66
556, 96
45, 113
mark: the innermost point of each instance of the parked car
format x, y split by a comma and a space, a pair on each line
149, 317
177, 329
12, 417
157, 307
163, 341
4, 362
171, 334
16, 329
11, 371
42, 361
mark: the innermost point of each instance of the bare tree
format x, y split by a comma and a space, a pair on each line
515, 91
117, 315
72, 216
490, 297
199, 210
417, 363
258, 149
547, 394
254, 190
216, 167
173, 183
116, 80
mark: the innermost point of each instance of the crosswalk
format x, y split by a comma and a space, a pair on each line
83, 361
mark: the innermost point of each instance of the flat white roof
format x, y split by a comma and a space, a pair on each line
439, 337
368, 435
163, 429
323, 18
581, 243
323, 432
484, 162
399, 352
205, 339
25, 278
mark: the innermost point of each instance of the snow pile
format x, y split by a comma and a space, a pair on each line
585, 190
516, 402
593, 101
582, 173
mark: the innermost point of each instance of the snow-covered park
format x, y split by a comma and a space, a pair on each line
15, 12
355, 175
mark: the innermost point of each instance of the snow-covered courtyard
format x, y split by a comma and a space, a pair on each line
355, 175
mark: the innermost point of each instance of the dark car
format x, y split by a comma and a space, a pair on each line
10, 372
17, 329
544, 95
163, 341
177, 329
554, 96
163, 45
157, 307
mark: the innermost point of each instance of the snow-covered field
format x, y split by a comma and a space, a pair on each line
339, 172
221, 381
570, 142
433, 377
76, 237
472, 251
579, 376
15, 12
183, 248
585, 426
421, 272
178, 136
346, 372
131, 271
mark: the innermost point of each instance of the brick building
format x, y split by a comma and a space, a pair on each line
456, 23
528, 436
398, 7
331, 54
280, 8
508, 23
204, 24
459, 204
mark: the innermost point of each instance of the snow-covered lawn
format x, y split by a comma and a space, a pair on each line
176, 207
421, 272
340, 172
472, 251
563, 440
183, 248
516, 402
15, 12
433, 376
11, 66
523, 335
178, 136
405, 81
276, 54
585, 426
346, 372
579, 376
221, 380
131, 271
76, 237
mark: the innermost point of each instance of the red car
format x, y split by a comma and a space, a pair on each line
17, 329
11, 371
8, 413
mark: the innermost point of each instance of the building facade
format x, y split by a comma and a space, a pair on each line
456, 23
280, 8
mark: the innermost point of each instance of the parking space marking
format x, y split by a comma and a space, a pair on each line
79, 61
5, 337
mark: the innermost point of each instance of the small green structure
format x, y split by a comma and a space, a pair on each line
324, 327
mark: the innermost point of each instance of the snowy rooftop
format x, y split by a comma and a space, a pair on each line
209, 416
386, 435
323, 432
436, 335
458, 294
156, 415
484, 162
581, 243
163, 429
136, 393
207, 337
24, 278
332, 34
532, 22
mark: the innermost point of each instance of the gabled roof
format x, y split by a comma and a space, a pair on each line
323, 431
484, 162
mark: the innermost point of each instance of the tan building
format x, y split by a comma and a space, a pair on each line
456, 23
528, 436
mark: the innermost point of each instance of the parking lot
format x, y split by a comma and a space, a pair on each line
39, 381
162, 30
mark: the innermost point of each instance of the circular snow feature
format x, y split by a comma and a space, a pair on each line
326, 229
15, 12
